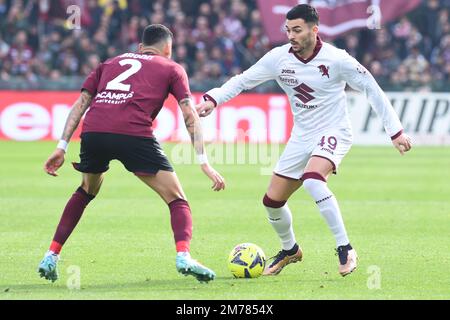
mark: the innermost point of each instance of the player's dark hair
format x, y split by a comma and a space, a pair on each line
305, 12
156, 33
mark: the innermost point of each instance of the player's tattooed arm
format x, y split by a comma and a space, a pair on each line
193, 125
76, 113
56, 159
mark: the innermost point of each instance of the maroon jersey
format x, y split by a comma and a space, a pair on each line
129, 91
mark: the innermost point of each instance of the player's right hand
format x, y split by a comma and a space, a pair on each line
205, 108
216, 178
54, 162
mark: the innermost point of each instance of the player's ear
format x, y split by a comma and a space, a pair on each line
315, 29
141, 46
167, 50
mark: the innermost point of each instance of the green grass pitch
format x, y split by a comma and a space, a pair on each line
396, 210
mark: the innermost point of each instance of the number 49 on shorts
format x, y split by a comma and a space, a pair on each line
329, 142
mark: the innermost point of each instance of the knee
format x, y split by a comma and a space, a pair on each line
271, 203
175, 196
273, 197
172, 195
89, 197
312, 179
90, 190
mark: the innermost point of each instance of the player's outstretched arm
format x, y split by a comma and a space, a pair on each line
262, 71
56, 159
359, 78
194, 128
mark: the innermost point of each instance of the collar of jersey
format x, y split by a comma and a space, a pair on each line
314, 54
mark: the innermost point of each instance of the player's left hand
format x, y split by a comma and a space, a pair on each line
205, 108
402, 143
216, 178
54, 162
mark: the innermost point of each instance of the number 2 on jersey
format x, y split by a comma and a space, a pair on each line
116, 83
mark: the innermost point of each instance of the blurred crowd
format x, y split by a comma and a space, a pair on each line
412, 52
52, 42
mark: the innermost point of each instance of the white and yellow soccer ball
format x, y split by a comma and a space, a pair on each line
246, 260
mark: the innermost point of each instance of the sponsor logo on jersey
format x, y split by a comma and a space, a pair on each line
324, 70
306, 106
113, 97
304, 93
289, 80
287, 71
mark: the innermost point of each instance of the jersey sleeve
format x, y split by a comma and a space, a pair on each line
260, 72
359, 78
179, 85
92, 81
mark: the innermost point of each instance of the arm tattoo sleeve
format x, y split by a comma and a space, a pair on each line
78, 109
193, 125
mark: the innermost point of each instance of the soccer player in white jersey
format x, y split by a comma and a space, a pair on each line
314, 75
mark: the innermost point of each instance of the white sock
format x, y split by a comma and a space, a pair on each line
329, 208
184, 254
55, 257
281, 221
50, 253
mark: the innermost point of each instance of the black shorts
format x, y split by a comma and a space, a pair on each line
140, 155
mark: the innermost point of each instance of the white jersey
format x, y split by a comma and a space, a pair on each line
315, 88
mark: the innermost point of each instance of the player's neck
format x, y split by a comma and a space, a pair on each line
151, 51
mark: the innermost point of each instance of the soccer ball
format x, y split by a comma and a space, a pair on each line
246, 260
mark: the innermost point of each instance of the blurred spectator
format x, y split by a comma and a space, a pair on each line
4, 49
202, 34
20, 55
214, 40
257, 43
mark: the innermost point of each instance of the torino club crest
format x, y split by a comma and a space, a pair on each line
324, 70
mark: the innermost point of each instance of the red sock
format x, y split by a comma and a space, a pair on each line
181, 221
55, 247
72, 213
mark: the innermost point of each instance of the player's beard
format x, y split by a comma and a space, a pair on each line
305, 45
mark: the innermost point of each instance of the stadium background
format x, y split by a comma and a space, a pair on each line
396, 208
42, 48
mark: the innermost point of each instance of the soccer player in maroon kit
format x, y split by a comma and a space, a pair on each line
124, 95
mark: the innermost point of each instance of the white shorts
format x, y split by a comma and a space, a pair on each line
331, 144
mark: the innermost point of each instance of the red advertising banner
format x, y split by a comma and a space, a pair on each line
30, 116
336, 16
